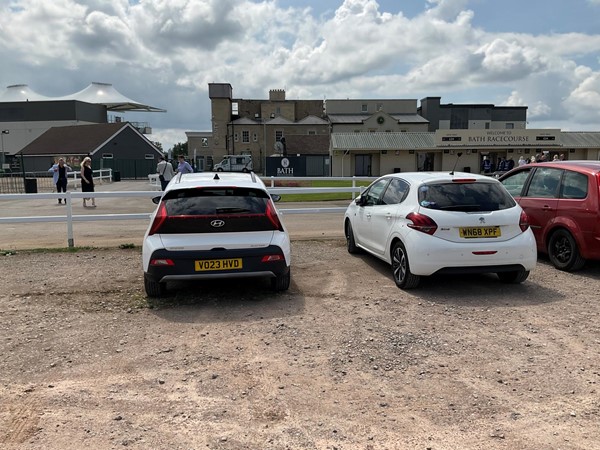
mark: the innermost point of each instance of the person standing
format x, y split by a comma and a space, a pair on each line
87, 179
164, 169
59, 176
486, 165
184, 166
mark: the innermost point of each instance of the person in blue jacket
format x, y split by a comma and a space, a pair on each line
59, 176
486, 165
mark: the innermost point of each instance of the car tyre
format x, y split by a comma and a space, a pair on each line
281, 282
350, 242
563, 251
219, 169
154, 288
513, 277
403, 277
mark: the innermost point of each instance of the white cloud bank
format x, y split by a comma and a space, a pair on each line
165, 53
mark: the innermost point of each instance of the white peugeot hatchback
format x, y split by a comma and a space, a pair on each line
210, 225
426, 223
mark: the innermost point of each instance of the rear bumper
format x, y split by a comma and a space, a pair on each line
449, 257
183, 267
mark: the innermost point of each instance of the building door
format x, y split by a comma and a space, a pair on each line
425, 162
362, 165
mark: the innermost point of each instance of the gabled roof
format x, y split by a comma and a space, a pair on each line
244, 121
312, 120
280, 121
382, 141
77, 139
360, 118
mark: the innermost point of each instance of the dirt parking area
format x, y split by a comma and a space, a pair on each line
343, 360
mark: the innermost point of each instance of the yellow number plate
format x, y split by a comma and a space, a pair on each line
218, 264
479, 232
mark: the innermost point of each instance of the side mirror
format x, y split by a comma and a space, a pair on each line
156, 200
275, 197
360, 201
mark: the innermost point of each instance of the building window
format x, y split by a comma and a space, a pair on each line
204, 142
254, 137
235, 137
364, 108
510, 126
278, 110
148, 156
312, 132
245, 136
487, 125
234, 108
107, 156
278, 135
379, 106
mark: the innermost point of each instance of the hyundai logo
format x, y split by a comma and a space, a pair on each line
217, 223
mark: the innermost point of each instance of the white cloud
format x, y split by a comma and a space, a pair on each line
166, 52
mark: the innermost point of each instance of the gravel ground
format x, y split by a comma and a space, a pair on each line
343, 360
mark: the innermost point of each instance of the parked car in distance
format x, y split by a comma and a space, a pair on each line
426, 223
210, 225
562, 201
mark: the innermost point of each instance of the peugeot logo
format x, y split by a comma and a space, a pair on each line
217, 223
481, 220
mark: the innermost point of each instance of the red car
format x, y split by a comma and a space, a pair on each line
562, 201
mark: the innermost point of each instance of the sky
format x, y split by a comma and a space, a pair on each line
543, 54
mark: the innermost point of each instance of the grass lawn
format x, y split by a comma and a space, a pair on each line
318, 183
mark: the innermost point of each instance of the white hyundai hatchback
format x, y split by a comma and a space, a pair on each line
426, 223
210, 225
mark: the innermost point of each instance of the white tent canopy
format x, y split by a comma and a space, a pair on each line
97, 93
106, 94
21, 93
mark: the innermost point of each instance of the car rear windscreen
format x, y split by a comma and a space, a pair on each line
216, 210
466, 197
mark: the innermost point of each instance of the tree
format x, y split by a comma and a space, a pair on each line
179, 149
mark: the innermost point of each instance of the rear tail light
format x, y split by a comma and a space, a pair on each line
463, 180
273, 217
422, 223
523, 221
272, 258
159, 219
162, 262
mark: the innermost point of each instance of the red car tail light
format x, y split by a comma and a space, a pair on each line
273, 217
523, 221
159, 219
422, 223
162, 262
272, 258
463, 180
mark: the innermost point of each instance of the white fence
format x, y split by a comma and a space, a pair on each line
70, 218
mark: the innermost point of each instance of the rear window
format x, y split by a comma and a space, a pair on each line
234, 209
466, 197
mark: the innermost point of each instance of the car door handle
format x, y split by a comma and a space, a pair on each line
547, 208
368, 216
388, 216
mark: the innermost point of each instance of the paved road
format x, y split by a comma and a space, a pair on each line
21, 236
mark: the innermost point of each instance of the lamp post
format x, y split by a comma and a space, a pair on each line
2, 149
